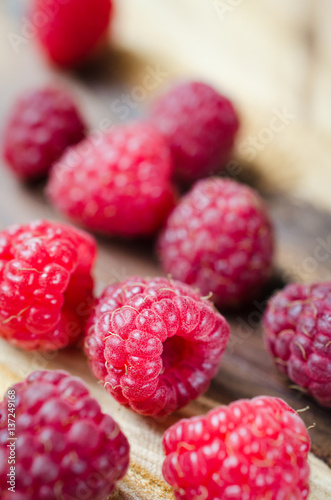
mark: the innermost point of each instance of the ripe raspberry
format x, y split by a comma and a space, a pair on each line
297, 325
70, 31
43, 123
200, 125
66, 447
45, 284
251, 450
155, 344
119, 185
219, 239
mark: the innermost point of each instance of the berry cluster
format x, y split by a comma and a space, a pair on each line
119, 185
297, 326
200, 126
70, 31
42, 124
155, 344
46, 287
66, 447
250, 450
219, 238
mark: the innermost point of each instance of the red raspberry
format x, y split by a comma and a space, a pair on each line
219, 239
43, 123
155, 344
66, 447
119, 185
251, 450
45, 284
69, 31
297, 325
200, 125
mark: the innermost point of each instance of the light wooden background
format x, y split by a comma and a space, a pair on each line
267, 55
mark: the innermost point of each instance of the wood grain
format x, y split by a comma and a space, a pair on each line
261, 73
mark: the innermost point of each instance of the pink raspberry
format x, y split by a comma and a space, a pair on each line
118, 185
297, 326
200, 126
219, 239
66, 448
251, 450
45, 284
155, 344
70, 31
42, 124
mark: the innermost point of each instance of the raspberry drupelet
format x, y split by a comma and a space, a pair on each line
200, 127
297, 328
119, 185
70, 31
42, 124
46, 287
251, 450
66, 448
155, 344
219, 239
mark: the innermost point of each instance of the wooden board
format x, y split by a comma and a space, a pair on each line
298, 194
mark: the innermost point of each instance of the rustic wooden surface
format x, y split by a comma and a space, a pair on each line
267, 55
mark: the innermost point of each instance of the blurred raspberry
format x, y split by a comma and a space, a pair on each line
297, 326
251, 450
219, 239
118, 185
200, 126
42, 124
65, 447
155, 344
46, 288
71, 29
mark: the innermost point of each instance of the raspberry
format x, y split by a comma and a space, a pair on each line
71, 30
155, 344
200, 125
45, 284
66, 447
251, 450
43, 123
118, 185
219, 239
297, 326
